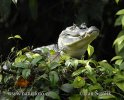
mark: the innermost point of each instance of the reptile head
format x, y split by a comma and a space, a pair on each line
74, 40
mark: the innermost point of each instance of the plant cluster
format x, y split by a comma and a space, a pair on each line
50, 76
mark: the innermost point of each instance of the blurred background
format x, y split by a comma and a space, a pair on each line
39, 22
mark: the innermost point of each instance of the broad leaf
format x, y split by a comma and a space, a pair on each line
52, 95
120, 12
120, 85
36, 60
116, 58
79, 71
78, 82
17, 36
1, 77
53, 65
54, 78
75, 97
67, 87
122, 21
26, 73
39, 98
90, 50
117, 1
118, 20
106, 97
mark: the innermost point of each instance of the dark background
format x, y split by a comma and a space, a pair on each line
39, 22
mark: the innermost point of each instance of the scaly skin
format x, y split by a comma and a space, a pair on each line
74, 40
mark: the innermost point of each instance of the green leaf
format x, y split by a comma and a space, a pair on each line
94, 87
15, 1
18, 37
75, 97
122, 21
120, 85
119, 81
106, 65
10, 37
118, 20
106, 97
117, 1
21, 65
36, 60
118, 62
121, 66
92, 78
116, 58
26, 73
53, 65
90, 50
67, 87
1, 77
20, 58
79, 71
120, 12
53, 95
12, 49
39, 97
45, 50
119, 40
89, 69
54, 78
78, 82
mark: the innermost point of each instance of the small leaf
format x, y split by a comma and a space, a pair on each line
92, 78
120, 12
26, 73
120, 85
53, 65
89, 69
118, 20
97, 86
78, 82
18, 37
21, 65
116, 58
39, 97
10, 37
12, 49
67, 87
36, 60
79, 71
45, 50
20, 59
54, 78
117, 1
106, 65
15, 1
122, 21
90, 50
1, 77
75, 97
119, 81
118, 62
121, 66
119, 40
106, 97
53, 95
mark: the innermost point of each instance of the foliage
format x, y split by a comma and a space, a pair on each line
38, 76
119, 42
